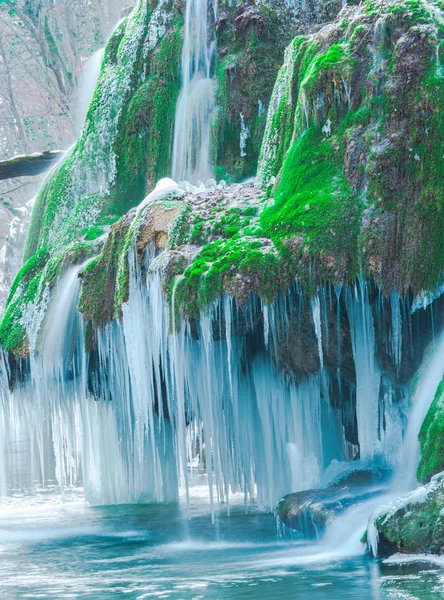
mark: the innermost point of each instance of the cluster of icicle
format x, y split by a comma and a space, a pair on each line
163, 398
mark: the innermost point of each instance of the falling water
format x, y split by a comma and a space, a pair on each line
191, 146
87, 84
127, 420
431, 375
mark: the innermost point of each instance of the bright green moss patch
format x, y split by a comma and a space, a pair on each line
24, 290
353, 141
431, 438
314, 201
91, 233
337, 59
34, 264
240, 265
143, 143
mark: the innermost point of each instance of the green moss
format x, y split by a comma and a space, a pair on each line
360, 186
91, 233
417, 527
431, 438
236, 264
113, 44
246, 72
101, 278
126, 141
315, 202
143, 143
46, 206
29, 269
336, 59
24, 290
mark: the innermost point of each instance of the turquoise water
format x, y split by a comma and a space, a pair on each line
51, 549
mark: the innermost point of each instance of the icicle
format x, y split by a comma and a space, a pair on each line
316, 312
367, 372
396, 348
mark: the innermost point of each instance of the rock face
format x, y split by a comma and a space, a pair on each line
345, 151
413, 524
251, 40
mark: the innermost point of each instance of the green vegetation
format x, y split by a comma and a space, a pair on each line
358, 168
250, 54
315, 201
418, 527
125, 144
352, 156
241, 265
91, 233
431, 438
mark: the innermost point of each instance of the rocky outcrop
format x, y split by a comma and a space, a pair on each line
413, 524
346, 152
251, 40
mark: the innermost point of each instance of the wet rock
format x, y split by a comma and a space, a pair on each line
310, 511
412, 524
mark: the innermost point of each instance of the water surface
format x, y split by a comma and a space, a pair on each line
50, 549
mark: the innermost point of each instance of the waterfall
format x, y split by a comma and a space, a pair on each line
192, 129
431, 374
128, 420
87, 84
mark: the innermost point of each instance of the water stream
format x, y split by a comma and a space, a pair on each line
191, 147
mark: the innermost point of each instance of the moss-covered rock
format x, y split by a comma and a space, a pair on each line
310, 511
350, 161
251, 40
125, 144
411, 525
431, 437
352, 147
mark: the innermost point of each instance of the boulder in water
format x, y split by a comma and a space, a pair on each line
412, 524
310, 511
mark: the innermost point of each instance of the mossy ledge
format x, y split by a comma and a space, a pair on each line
352, 150
351, 158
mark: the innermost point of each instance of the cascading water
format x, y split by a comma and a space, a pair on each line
129, 419
192, 129
355, 521
431, 374
87, 85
